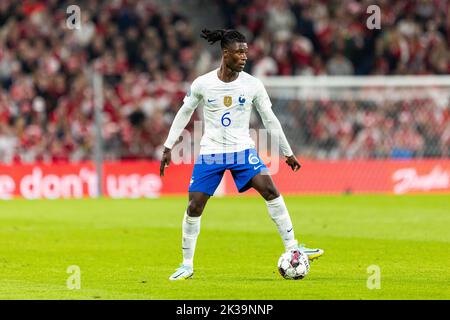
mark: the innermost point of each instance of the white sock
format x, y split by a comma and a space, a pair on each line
280, 215
191, 230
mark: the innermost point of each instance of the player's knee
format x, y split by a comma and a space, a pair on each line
271, 193
195, 208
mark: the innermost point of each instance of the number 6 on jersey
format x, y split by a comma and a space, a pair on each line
226, 121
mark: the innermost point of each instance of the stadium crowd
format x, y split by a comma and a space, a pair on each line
307, 37
146, 52
345, 129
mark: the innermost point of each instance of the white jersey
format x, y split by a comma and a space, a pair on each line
226, 113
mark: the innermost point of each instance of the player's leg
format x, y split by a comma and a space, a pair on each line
279, 213
204, 182
264, 184
251, 172
191, 225
190, 232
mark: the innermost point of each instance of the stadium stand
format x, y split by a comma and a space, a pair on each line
148, 52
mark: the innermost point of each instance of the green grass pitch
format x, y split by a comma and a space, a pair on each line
127, 249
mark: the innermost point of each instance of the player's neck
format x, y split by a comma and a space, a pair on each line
226, 74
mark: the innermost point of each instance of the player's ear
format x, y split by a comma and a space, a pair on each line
225, 52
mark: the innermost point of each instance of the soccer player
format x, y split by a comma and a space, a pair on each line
228, 94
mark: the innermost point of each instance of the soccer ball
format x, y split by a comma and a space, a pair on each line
293, 265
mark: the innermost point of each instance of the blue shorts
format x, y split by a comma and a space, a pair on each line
209, 170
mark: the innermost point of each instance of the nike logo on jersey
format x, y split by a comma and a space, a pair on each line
211, 100
257, 167
289, 230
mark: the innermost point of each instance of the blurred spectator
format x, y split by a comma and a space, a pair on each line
413, 39
46, 103
339, 65
364, 128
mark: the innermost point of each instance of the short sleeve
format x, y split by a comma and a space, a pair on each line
193, 95
261, 99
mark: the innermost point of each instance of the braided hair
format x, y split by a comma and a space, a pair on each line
226, 37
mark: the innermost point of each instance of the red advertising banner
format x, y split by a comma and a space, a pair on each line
362, 176
141, 179
120, 180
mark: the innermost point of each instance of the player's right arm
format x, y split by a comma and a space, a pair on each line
190, 103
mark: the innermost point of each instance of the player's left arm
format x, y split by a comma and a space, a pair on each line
272, 124
190, 102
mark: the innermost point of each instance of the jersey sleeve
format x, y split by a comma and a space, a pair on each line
263, 105
190, 103
194, 95
261, 99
